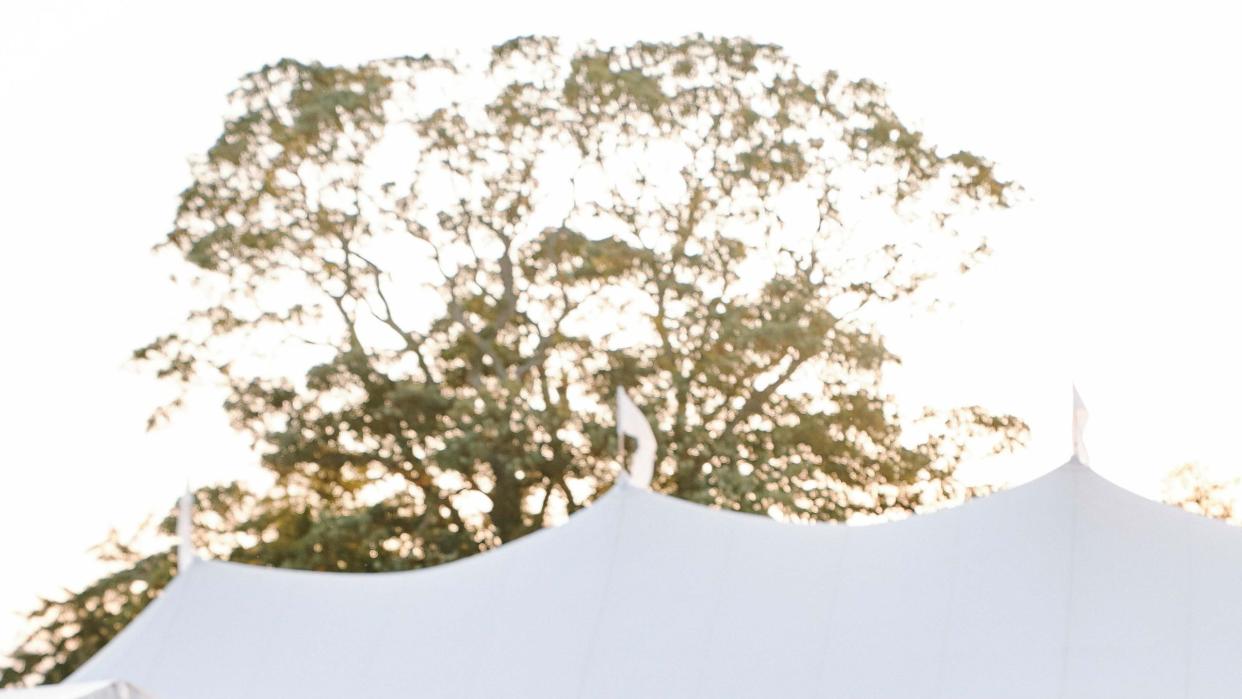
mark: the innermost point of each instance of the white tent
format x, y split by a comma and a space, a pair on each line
78, 690
1066, 587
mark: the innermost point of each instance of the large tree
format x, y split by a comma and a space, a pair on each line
425, 278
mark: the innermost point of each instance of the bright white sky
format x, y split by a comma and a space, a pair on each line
1120, 272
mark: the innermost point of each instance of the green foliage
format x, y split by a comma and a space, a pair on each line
69, 631
1193, 490
467, 261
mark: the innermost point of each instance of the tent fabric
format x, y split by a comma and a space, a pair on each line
1067, 586
77, 690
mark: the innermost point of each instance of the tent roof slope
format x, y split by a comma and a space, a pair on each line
1067, 586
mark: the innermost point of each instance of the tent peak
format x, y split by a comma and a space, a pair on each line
1079, 429
185, 525
632, 422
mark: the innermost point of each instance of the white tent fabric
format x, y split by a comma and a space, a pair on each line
1066, 587
78, 690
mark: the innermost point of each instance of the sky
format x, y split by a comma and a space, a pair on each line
1118, 271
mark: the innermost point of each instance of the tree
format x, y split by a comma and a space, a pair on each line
447, 270
1189, 488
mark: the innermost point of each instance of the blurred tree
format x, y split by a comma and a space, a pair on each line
1189, 488
70, 629
424, 280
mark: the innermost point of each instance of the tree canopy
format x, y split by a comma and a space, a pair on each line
423, 279
1191, 488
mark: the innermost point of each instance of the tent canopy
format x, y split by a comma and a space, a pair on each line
1065, 587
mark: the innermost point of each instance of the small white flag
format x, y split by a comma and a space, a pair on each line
632, 422
185, 524
1080, 427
